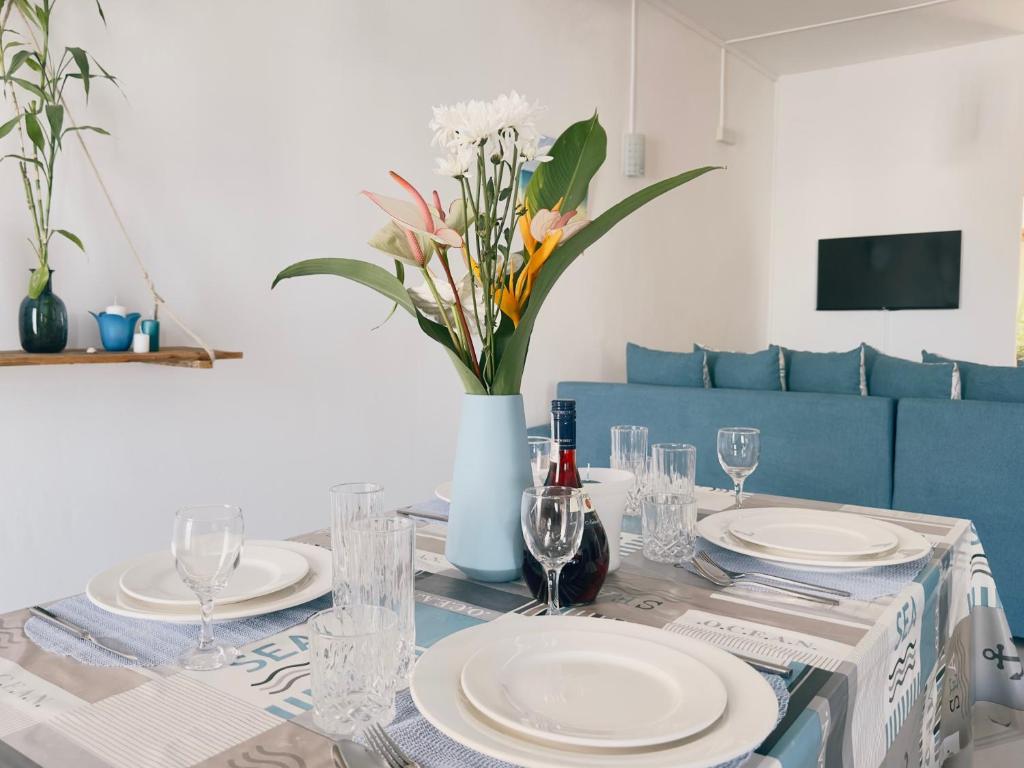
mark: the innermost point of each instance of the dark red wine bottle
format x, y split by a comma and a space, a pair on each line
584, 575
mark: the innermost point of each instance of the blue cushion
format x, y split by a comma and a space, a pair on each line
826, 447
838, 373
1003, 384
951, 460
895, 377
741, 370
668, 369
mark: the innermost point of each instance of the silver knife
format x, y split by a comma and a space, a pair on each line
762, 665
106, 643
410, 512
350, 754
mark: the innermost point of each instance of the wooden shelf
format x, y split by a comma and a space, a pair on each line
185, 357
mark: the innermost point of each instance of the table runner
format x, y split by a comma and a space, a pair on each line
888, 682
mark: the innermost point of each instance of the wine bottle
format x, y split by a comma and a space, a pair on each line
584, 575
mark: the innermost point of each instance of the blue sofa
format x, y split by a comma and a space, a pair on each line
960, 458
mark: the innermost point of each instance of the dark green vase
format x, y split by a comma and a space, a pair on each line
43, 322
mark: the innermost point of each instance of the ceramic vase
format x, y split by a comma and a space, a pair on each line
492, 468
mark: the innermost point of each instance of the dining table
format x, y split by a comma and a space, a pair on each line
927, 676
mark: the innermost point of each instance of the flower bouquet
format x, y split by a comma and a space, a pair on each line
487, 260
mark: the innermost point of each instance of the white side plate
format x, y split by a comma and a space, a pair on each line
749, 716
911, 546
813, 532
261, 570
104, 590
593, 690
444, 491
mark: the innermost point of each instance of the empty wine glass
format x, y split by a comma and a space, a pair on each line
739, 449
540, 457
552, 518
207, 546
629, 452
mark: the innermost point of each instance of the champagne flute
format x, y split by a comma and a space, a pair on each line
540, 457
553, 519
629, 452
739, 449
207, 546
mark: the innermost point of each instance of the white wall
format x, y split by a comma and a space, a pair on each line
244, 140
919, 143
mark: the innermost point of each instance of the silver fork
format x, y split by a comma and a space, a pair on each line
740, 576
716, 575
388, 749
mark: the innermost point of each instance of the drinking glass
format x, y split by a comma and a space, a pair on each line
349, 502
207, 545
381, 569
353, 653
540, 457
668, 523
552, 518
673, 469
739, 449
629, 452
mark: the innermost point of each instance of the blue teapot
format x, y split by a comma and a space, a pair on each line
116, 331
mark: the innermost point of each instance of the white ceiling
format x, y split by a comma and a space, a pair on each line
942, 25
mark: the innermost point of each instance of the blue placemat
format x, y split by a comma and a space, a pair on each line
432, 749
155, 642
861, 583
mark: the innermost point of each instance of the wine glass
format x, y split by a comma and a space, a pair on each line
552, 518
629, 453
540, 457
207, 546
739, 449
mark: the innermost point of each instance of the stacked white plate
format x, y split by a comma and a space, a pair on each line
271, 576
547, 692
813, 538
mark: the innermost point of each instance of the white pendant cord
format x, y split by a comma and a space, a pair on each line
158, 300
632, 66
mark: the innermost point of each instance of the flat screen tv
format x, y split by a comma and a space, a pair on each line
916, 271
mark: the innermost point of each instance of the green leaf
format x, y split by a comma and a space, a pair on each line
23, 159
17, 60
55, 117
382, 281
93, 128
82, 62
509, 376
28, 86
576, 156
400, 275
9, 126
35, 131
72, 237
103, 16
38, 281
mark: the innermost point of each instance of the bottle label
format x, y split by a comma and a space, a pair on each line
563, 430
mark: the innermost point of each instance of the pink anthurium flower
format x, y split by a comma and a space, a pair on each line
416, 215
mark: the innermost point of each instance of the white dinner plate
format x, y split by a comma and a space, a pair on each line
750, 713
104, 590
444, 491
813, 532
593, 690
912, 546
261, 570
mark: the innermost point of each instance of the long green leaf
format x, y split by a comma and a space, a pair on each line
17, 60
509, 376
72, 237
27, 85
38, 281
82, 62
93, 128
576, 156
9, 126
35, 131
382, 281
55, 117
23, 159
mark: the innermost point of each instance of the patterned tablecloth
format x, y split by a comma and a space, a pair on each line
929, 677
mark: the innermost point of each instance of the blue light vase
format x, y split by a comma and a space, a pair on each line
492, 468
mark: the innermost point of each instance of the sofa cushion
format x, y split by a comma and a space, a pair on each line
963, 459
838, 373
826, 447
743, 370
669, 369
999, 383
896, 378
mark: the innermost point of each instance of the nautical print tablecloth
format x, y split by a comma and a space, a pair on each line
929, 677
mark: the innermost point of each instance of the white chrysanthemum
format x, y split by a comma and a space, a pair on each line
456, 163
499, 125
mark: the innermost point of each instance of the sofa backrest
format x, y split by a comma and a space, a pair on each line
966, 459
828, 447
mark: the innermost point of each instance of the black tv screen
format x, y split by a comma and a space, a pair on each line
917, 271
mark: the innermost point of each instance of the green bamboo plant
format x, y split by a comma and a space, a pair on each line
34, 77
485, 318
